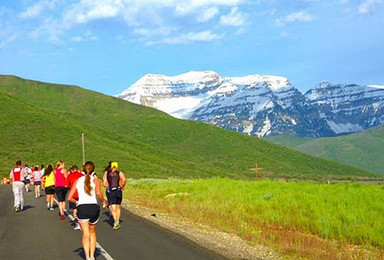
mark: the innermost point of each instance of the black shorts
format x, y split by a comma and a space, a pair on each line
114, 196
61, 192
72, 205
88, 212
50, 190
37, 183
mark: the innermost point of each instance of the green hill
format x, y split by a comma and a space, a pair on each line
363, 150
289, 141
43, 123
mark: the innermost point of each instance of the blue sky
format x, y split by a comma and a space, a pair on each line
106, 45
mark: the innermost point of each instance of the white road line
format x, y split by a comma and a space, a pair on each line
102, 250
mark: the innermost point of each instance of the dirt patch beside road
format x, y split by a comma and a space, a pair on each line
230, 246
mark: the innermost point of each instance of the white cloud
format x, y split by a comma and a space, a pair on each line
368, 6
163, 31
49, 29
203, 36
88, 10
77, 39
159, 18
134, 12
301, 16
37, 9
87, 36
147, 18
8, 39
234, 18
207, 14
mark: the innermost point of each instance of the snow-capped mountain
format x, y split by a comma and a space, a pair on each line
261, 105
348, 108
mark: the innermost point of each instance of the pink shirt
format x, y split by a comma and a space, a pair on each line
60, 178
36, 175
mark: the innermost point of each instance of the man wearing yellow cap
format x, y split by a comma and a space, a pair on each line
114, 182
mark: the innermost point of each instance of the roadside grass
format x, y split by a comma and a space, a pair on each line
298, 219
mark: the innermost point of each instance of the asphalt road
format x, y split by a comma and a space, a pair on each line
36, 233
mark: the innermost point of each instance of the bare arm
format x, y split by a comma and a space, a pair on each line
96, 181
105, 181
122, 179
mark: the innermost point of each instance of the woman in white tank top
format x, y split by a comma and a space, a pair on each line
88, 187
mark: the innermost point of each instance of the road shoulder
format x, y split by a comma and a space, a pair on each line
230, 246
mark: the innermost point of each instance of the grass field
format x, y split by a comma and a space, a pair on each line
300, 219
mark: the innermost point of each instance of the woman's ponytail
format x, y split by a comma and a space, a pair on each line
87, 184
88, 167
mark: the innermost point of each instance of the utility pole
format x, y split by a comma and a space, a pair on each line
82, 141
256, 169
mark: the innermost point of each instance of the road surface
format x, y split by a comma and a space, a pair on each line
36, 233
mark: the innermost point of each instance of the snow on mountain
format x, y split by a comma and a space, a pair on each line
376, 86
348, 108
178, 96
261, 105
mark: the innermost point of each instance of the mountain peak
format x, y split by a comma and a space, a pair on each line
323, 84
275, 83
261, 105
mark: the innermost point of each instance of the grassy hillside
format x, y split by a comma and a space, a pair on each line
289, 141
363, 150
43, 122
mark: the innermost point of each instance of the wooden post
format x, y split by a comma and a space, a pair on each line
256, 169
82, 141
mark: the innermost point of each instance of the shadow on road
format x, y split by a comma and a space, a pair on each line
109, 219
28, 207
80, 252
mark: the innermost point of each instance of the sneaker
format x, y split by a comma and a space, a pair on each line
17, 209
77, 227
48, 206
62, 217
51, 209
116, 225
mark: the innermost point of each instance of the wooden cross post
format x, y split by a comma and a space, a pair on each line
256, 169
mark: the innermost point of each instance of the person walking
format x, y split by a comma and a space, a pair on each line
114, 182
73, 176
36, 174
17, 176
88, 187
28, 177
60, 188
42, 171
49, 184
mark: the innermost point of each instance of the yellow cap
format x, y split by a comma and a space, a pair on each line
114, 165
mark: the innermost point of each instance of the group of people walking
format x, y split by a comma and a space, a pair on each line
84, 189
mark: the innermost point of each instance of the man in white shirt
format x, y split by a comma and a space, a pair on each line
17, 176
